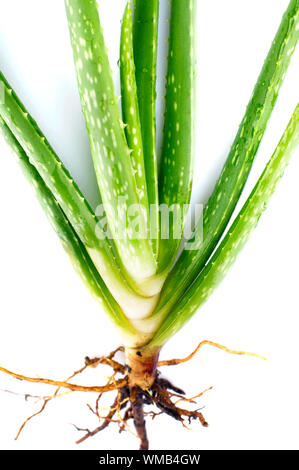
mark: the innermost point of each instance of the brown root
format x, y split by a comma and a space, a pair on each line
137, 404
140, 385
73, 387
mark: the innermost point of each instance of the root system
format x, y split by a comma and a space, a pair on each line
131, 403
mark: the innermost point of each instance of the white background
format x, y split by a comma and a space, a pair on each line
48, 320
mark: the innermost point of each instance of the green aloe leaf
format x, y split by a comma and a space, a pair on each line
111, 154
130, 110
234, 175
145, 42
175, 179
235, 239
71, 200
46, 161
68, 237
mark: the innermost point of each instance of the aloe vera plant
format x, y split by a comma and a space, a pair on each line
127, 262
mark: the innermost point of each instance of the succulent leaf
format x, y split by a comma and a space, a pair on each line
145, 39
176, 170
130, 110
111, 154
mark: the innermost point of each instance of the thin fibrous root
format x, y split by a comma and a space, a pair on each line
128, 415
175, 362
74, 387
190, 400
107, 421
107, 360
30, 417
